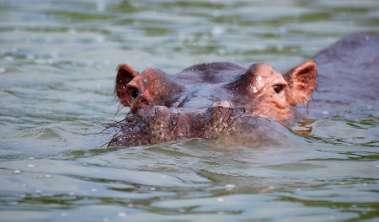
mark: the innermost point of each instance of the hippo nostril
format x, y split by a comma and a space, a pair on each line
133, 91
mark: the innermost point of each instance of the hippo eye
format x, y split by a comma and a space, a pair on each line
278, 87
133, 92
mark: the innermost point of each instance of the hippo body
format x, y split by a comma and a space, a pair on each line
348, 78
226, 100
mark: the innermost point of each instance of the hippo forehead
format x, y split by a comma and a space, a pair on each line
264, 71
262, 74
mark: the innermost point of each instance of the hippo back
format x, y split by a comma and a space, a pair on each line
204, 83
348, 77
211, 73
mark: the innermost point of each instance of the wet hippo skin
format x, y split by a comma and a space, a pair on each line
225, 100
228, 125
348, 79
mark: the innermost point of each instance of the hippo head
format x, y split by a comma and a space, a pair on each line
148, 88
260, 89
267, 93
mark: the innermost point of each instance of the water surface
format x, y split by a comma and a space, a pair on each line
57, 69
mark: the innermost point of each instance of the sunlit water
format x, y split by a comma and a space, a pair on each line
57, 63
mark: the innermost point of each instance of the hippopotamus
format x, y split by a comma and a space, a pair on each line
223, 99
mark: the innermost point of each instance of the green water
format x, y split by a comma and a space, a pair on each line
57, 67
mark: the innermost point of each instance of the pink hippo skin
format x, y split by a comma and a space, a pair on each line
225, 100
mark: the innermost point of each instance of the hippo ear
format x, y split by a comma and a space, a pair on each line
302, 81
125, 74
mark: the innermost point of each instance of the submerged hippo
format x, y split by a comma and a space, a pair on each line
216, 100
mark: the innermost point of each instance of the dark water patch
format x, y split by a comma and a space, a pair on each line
360, 211
372, 22
308, 17
126, 7
80, 16
349, 10
157, 31
193, 5
364, 123
76, 154
273, 50
55, 201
